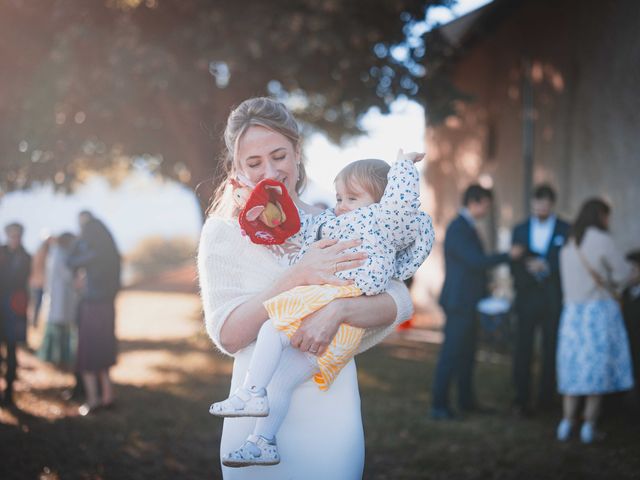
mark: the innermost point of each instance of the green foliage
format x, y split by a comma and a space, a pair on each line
155, 255
87, 84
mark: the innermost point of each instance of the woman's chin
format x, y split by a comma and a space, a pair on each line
291, 188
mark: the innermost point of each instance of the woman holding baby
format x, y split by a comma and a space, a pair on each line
321, 435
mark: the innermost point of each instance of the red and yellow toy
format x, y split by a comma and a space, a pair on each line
267, 213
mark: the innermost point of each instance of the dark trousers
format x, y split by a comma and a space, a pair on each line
456, 359
12, 365
36, 295
536, 311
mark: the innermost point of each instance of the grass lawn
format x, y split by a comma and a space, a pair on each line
168, 374
402, 443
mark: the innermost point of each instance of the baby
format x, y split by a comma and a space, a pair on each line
376, 203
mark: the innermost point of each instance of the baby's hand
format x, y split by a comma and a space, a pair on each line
415, 157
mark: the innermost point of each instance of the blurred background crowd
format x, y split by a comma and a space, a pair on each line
527, 111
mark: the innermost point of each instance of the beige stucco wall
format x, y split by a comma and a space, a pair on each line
585, 59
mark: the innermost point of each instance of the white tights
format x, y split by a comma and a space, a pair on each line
279, 368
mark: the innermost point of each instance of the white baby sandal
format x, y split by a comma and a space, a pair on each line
257, 450
242, 403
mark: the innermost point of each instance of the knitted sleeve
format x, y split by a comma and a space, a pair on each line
221, 274
404, 306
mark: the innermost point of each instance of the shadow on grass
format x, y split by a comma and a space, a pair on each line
154, 431
150, 434
403, 443
163, 430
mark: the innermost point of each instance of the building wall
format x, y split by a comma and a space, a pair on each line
585, 71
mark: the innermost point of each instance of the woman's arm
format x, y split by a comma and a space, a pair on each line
378, 314
318, 266
620, 270
243, 324
81, 255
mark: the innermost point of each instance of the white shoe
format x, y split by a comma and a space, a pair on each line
255, 451
587, 433
242, 403
564, 430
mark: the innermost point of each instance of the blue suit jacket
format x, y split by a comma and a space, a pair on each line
525, 283
466, 266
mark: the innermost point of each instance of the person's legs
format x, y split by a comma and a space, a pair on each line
294, 369
10, 375
106, 387
591, 414
447, 362
76, 392
569, 410
570, 407
90, 380
522, 353
466, 393
549, 326
260, 447
592, 408
266, 357
36, 295
250, 400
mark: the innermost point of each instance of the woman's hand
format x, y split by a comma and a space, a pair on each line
324, 259
318, 329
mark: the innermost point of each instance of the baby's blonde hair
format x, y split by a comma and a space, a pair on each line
370, 174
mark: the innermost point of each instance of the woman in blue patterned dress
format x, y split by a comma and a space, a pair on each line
593, 350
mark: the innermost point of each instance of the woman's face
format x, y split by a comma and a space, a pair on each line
262, 153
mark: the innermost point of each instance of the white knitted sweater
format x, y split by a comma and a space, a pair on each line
231, 270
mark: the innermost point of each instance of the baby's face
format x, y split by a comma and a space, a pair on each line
351, 197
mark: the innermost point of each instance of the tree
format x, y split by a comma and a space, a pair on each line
89, 85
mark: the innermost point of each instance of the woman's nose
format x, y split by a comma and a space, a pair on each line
270, 171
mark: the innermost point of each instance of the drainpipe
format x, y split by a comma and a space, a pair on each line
527, 134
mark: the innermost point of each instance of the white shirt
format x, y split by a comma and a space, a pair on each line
540, 233
464, 211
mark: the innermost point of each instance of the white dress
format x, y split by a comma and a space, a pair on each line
321, 436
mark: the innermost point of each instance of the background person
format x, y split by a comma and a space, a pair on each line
465, 283
96, 254
61, 298
37, 279
538, 300
593, 350
15, 267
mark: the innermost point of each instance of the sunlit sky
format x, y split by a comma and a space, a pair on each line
143, 205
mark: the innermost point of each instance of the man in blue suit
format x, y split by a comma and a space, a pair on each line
538, 300
465, 283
